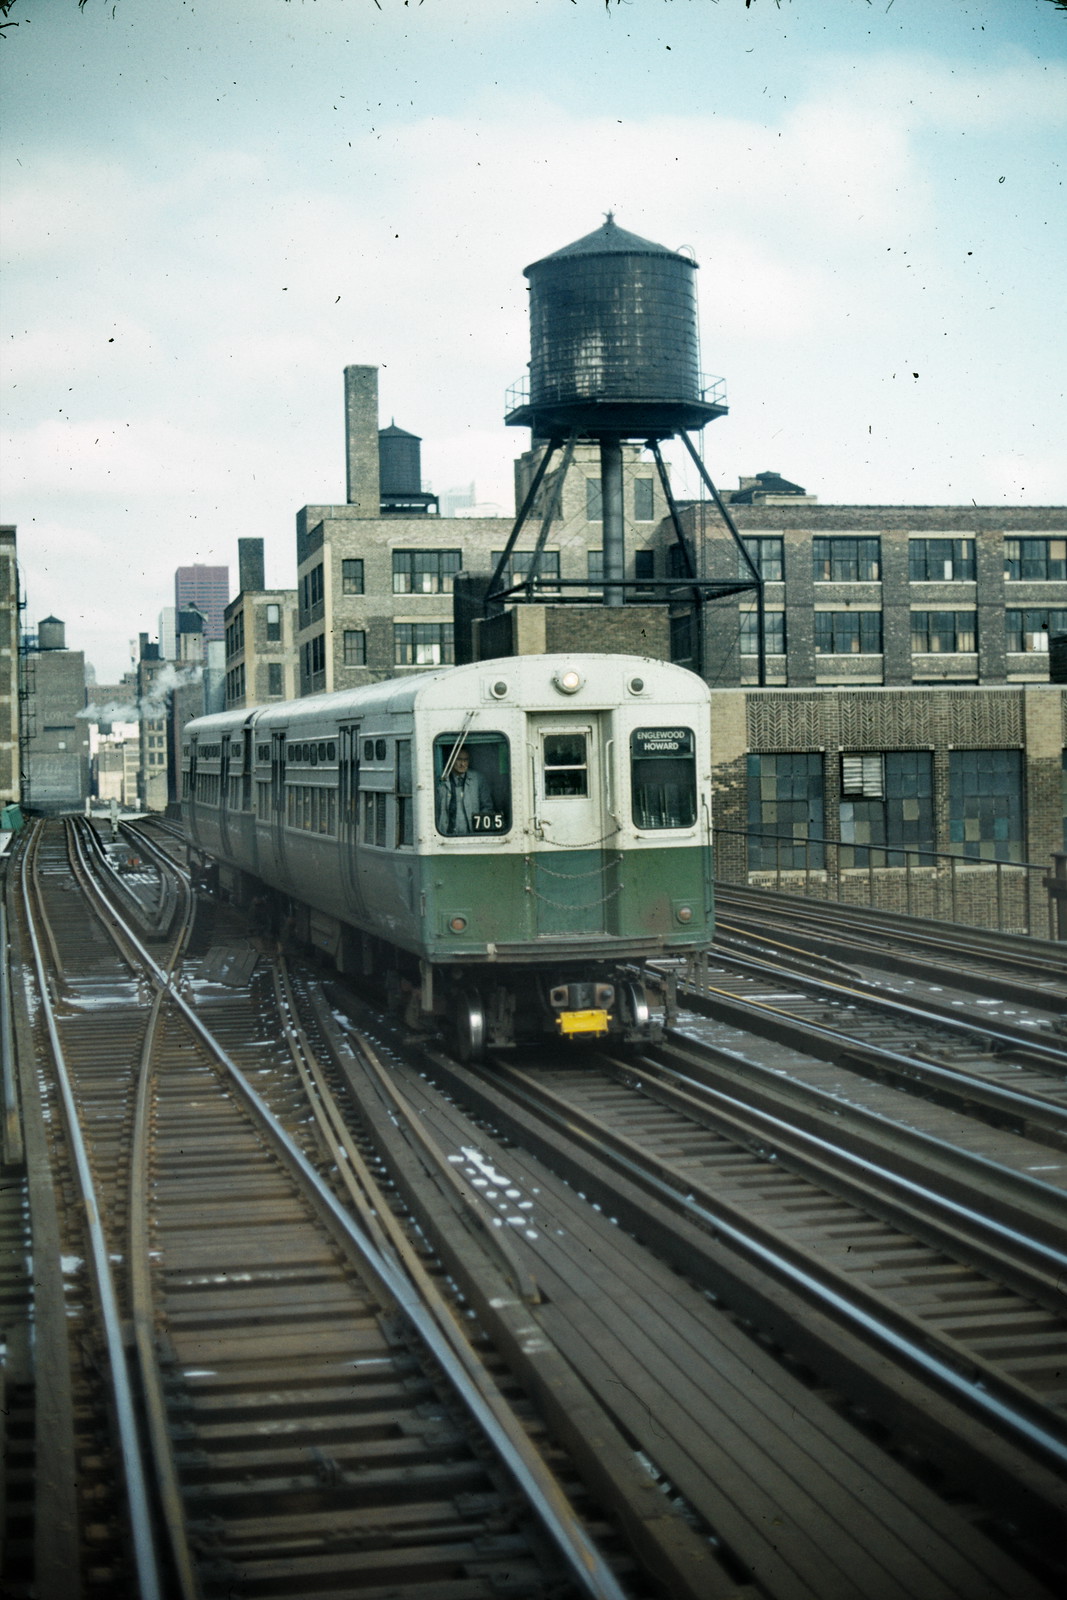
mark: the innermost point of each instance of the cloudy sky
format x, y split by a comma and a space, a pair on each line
209, 209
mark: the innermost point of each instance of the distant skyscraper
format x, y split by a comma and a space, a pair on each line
208, 589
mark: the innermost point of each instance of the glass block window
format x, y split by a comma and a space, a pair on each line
1036, 560
768, 558
937, 632
425, 571
887, 801
355, 647
594, 500
1030, 630
985, 804
518, 566
785, 811
422, 644
843, 633
846, 560
274, 623
644, 499
773, 632
351, 576
941, 560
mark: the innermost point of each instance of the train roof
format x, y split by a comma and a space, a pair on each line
452, 686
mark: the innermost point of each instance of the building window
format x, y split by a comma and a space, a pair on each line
846, 560
644, 499
845, 633
235, 634
678, 564
1030, 630
985, 804
274, 678
594, 500
518, 566
355, 647
644, 566
773, 633
313, 593
351, 576
941, 632
422, 644
425, 571
768, 558
941, 560
594, 568
315, 656
681, 628
785, 805
887, 806
1035, 560
274, 623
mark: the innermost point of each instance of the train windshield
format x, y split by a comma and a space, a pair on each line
663, 774
472, 783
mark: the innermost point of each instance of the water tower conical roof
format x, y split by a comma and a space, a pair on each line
609, 239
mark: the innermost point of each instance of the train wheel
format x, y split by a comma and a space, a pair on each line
468, 1023
635, 1001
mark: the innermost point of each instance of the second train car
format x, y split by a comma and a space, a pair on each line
504, 845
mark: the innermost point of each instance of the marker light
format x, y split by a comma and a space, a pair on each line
684, 913
457, 924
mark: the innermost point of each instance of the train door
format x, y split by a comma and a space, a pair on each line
348, 814
277, 799
576, 859
224, 795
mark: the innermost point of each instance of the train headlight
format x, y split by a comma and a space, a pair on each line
568, 681
457, 924
636, 685
499, 689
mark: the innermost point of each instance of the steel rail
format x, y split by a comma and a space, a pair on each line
145, 1544
1017, 1038
508, 1436
1012, 951
1007, 1420
581, 1556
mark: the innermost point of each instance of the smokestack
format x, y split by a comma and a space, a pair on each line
361, 439
250, 565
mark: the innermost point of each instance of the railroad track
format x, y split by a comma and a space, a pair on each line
665, 1356
1009, 967
1013, 1076
316, 1417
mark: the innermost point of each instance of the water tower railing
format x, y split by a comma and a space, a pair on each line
712, 391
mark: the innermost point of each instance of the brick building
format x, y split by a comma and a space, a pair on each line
261, 657
9, 666
375, 578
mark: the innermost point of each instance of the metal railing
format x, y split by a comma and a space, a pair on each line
1005, 896
712, 391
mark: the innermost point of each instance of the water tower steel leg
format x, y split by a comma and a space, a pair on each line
685, 546
614, 531
554, 444
757, 581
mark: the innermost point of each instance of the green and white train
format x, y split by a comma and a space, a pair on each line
503, 846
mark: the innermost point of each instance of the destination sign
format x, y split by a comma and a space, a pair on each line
663, 742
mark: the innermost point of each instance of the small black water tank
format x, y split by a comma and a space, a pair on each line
399, 461
613, 338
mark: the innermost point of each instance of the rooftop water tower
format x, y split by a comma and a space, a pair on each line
614, 356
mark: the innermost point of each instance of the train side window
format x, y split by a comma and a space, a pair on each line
663, 777
566, 764
472, 783
368, 749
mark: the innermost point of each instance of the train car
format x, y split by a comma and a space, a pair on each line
502, 845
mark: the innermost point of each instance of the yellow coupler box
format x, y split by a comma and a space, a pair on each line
583, 1021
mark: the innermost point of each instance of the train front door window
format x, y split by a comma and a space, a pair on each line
663, 777
472, 783
566, 764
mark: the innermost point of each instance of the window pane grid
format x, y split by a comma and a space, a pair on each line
846, 560
848, 633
